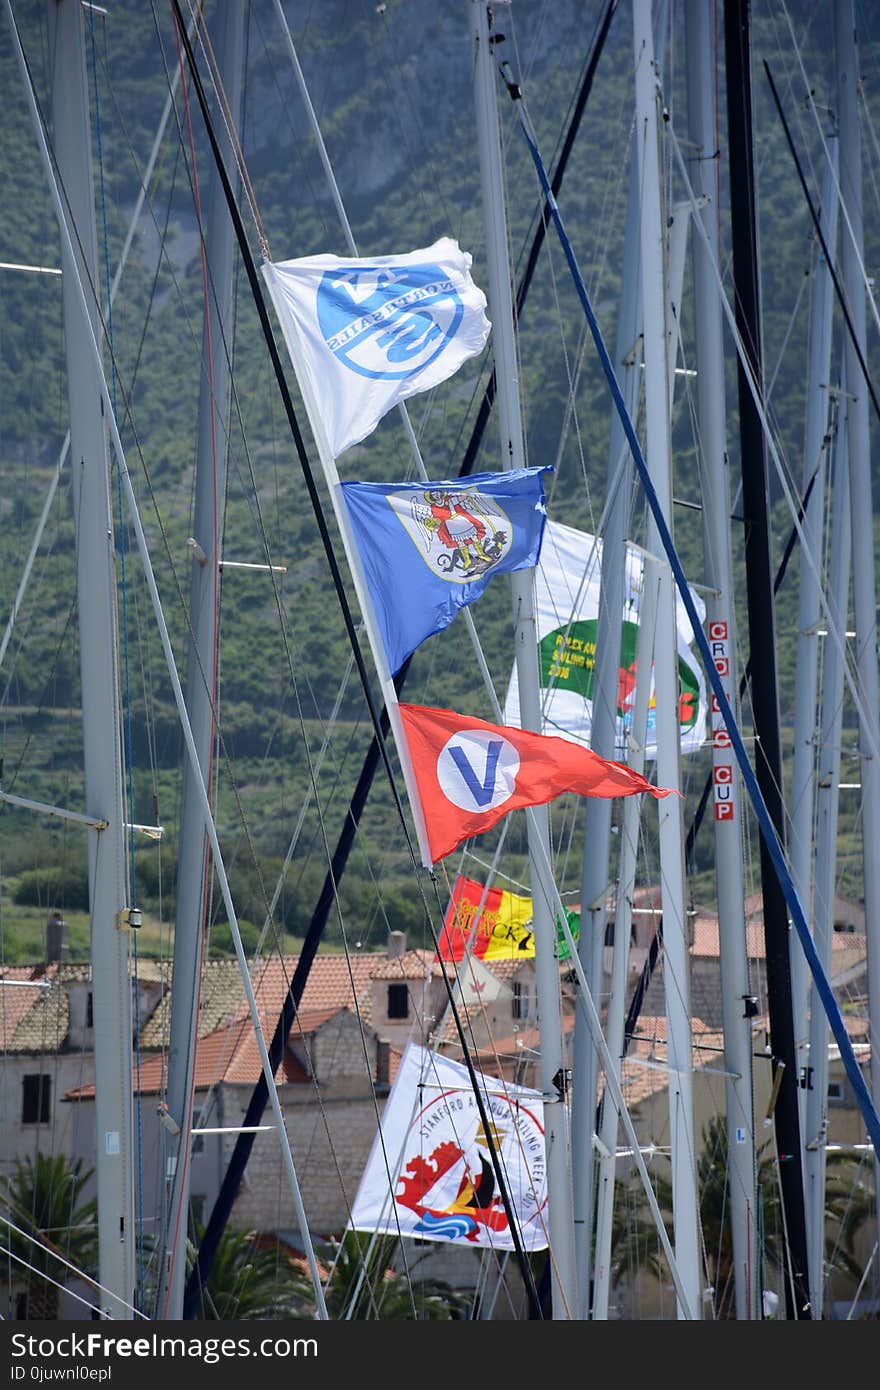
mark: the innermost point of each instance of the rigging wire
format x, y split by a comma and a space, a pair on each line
266, 327
783, 474
210, 773
59, 207
244, 822
200, 29
868, 283
263, 532
56, 1255
829, 259
770, 836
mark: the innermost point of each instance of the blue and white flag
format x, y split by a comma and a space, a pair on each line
364, 334
428, 548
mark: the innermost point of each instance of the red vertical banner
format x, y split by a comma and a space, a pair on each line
722, 773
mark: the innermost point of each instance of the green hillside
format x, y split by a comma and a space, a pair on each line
392, 88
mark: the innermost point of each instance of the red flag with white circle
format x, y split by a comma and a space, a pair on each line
470, 773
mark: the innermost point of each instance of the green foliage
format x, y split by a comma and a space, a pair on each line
44, 1199
248, 1279
221, 942
363, 1285
409, 173
54, 886
849, 1204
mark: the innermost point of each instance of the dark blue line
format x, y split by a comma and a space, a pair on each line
835, 1019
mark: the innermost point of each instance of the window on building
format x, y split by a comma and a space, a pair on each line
36, 1095
522, 1000
383, 1063
90, 1018
836, 1092
398, 1001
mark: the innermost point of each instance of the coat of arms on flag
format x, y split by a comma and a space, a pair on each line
444, 1187
462, 533
429, 548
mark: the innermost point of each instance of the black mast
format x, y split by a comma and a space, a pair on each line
759, 585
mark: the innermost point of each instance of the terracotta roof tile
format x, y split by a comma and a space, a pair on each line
219, 997
706, 940
39, 1021
17, 1000
415, 965
649, 1044
228, 1054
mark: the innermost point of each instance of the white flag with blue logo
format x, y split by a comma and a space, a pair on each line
365, 334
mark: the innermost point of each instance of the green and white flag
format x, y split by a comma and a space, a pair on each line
567, 608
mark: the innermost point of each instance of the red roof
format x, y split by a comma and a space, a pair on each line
17, 1000
228, 1054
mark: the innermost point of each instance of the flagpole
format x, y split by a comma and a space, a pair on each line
596, 871
352, 554
552, 1072
858, 443
201, 689
824, 892
615, 1023
676, 967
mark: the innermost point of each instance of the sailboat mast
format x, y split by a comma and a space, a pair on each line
256, 1105
597, 874
552, 1072
728, 818
825, 888
603, 734
615, 1024
759, 586
862, 508
99, 673
803, 777
201, 676
676, 968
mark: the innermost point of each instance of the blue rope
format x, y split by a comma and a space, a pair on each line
125, 663
768, 830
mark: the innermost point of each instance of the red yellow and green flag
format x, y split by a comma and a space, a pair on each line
503, 929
